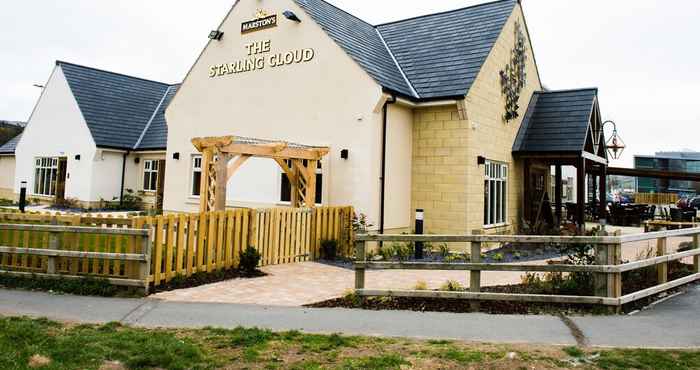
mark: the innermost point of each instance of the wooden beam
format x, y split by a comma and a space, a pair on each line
490, 296
603, 193
235, 165
207, 157
202, 143
276, 151
654, 174
310, 191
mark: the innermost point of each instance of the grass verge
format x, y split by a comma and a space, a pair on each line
50, 345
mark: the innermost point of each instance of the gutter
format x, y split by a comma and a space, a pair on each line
382, 189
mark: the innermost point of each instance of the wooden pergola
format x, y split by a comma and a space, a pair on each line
223, 156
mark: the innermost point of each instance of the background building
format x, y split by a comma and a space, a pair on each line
669, 161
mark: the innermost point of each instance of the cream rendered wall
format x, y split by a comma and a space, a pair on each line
133, 178
106, 175
492, 137
57, 128
399, 151
7, 177
327, 101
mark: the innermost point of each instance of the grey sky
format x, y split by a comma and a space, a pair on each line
642, 54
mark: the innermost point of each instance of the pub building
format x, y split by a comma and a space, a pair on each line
444, 112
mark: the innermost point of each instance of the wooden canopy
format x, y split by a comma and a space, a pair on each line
223, 156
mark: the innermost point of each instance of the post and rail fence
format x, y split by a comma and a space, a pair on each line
607, 271
181, 244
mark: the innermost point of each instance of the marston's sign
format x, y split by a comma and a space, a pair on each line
256, 61
259, 24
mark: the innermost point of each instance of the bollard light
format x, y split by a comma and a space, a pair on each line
22, 196
420, 216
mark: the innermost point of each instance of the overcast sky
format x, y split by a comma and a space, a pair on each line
642, 54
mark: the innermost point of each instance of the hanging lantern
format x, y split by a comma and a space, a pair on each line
615, 145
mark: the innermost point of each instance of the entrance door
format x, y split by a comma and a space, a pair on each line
61, 179
160, 190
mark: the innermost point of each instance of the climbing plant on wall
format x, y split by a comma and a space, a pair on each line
513, 76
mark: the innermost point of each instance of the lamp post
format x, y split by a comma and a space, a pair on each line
615, 145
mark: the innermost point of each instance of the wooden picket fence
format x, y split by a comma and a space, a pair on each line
184, 244
281, 235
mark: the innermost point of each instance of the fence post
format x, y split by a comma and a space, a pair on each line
662, 269
145, 266
602, 281
696, 259
475, 275
53, 244
360, 256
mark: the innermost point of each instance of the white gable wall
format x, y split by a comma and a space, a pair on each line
7, 177
327, 101
57, 128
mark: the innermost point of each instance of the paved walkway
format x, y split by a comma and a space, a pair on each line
672, 324
310, 282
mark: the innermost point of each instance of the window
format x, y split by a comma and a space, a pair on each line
196, 175
495, 194
45, 176
150, 175
286, 186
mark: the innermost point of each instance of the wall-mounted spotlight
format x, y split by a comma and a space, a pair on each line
216, 35
480, 160
291, 16
77, 157
176, 156
137, 160
345, 154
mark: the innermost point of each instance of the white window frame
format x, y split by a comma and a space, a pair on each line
193, 169
495, 205
319, 171
42, 166
149, 168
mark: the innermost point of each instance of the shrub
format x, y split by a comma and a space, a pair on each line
360, 224
444, 250
250, 259
66, 203
498, 257
131, 201
451, 286
421, 285
329, 250
404, 251
387, 252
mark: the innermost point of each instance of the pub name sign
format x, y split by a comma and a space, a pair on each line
258, 59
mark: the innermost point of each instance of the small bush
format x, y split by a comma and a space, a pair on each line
451, 286
387, 252
421, 285
329, 250
250, 259
498, 257
404, 251
444, 250
87, 286
66, 203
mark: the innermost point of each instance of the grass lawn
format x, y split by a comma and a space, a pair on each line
30, 343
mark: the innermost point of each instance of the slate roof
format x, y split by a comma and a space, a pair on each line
10, 146
556, 121
423, 58
118, 108
156, 135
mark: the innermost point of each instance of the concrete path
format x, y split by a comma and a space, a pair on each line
672, 324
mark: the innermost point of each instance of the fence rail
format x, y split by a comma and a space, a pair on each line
607, 271
182, 244
50, 251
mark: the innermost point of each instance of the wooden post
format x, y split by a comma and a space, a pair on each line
696, 259
558, 192
53, 244
207, 157
602, 286
475, 275
581, 194
145, 266
252, 228
310, 195
360, 256
221, 180
662, 269
603, 192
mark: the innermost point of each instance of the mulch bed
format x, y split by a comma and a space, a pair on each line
491, 307
203, 278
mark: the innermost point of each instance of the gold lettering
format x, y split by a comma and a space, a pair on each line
212, 71
308, 55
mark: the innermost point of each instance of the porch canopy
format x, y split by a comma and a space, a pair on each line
564, 128
223, 156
